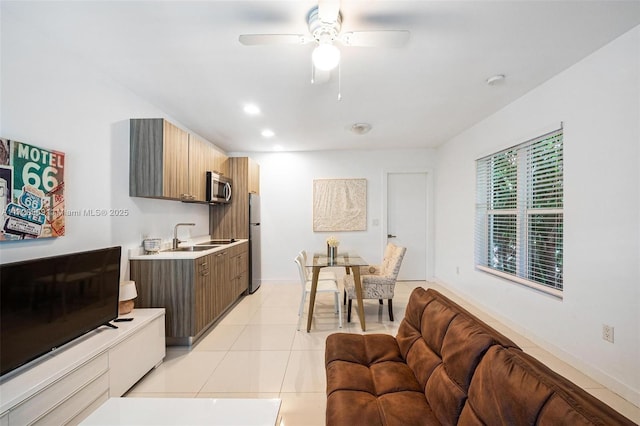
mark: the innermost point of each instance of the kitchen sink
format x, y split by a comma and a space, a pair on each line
192, 248
217, 242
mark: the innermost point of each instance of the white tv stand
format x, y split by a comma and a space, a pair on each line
65, 386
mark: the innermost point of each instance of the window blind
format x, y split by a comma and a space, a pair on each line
519, 216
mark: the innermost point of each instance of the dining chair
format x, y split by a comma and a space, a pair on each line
324, 286
378, 281
324, 275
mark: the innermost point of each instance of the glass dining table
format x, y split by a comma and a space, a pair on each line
348, 260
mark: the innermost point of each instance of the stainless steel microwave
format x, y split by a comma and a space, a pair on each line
218, 188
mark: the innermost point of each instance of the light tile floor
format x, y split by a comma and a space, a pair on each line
255, 351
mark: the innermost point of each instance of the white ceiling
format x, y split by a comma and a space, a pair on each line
184, 57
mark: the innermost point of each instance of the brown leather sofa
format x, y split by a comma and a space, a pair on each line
447, 367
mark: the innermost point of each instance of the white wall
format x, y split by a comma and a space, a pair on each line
598, 101
54, 100
286, 192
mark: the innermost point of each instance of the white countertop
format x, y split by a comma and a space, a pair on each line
185, 411
139, 254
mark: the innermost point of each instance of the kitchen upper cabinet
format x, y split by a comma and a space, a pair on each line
220, 162
158, 161
201, 160
232, 220
168, 162
245, 173
254, 177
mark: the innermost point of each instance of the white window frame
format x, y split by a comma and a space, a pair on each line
486, 198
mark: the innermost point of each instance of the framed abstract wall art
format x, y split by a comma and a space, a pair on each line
339, 205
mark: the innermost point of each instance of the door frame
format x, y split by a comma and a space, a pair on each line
430, 197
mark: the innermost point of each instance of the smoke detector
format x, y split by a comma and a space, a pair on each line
360, 128
495, 80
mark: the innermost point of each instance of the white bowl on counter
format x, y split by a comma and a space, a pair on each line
152, 245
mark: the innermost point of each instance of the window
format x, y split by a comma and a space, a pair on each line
519, 217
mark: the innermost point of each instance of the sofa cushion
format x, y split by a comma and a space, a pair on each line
443, 344
368, 382
397, 409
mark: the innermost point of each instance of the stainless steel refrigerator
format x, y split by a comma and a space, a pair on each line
254, 243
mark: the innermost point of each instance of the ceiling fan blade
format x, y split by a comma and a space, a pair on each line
328, 10
260, 39
382, 38
319, 76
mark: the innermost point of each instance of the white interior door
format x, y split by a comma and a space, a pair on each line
407, 221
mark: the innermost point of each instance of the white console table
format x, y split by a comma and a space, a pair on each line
66, 385
185, 411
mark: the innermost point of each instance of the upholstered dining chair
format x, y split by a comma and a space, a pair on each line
324, 286
378, 281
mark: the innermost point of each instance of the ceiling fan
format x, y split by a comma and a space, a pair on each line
325, 22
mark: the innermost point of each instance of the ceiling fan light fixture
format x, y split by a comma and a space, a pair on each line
325, 56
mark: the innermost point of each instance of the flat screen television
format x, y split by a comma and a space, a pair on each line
47, 302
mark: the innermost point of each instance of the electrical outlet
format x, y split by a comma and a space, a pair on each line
607, 333
457, 270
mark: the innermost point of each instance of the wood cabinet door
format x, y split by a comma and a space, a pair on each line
168, 284
239, 269
203, 300
254, 177
223, 291
175, 158
220, 161
200, 161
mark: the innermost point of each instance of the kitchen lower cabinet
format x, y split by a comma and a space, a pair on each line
194, 292
204, 298
239, 269
221, 292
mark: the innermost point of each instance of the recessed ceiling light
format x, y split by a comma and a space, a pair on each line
251, 109
268, 133
495, 79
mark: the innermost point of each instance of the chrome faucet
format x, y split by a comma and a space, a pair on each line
176, 241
